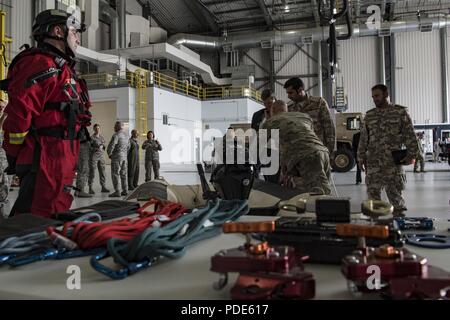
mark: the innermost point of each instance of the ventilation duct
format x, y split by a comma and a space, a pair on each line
279, 38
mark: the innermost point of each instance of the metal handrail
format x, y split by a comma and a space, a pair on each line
161, 80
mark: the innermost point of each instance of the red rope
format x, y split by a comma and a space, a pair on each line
96, 234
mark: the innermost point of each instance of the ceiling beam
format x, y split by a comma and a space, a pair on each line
267, 16
236, 10
235, 20
261, 24
212, 3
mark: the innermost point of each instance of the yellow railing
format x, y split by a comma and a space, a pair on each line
164, 81
106, 80
5, 50
230, 92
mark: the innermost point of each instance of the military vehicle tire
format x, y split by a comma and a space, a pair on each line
343, 160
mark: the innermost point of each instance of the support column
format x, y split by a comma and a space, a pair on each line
444, 74
272, 69
121, 10
92, 24
381, 61
319, 68
389, 46
327, 85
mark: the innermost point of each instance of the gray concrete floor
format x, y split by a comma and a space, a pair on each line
427, 194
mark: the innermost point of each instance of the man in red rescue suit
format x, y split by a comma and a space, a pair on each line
47, 110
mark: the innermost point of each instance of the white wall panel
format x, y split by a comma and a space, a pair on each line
418, 75
178, 139
357, 59
124, 98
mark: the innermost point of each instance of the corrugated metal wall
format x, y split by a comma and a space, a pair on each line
299, 65
358, 64
261, 57
418, 75
22, 17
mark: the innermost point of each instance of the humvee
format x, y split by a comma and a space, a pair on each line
347, 125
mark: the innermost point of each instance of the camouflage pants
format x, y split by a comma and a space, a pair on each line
149, 164
119, 171
392, 180
83, 166
312, 173
94, 164
419, 159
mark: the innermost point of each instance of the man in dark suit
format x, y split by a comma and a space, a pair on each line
355, 144
258, 120
259, 117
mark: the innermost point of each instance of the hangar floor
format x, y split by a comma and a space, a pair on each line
427, 194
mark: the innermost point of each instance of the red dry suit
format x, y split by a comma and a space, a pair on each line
48, 107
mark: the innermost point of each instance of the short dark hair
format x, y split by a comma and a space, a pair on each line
266, 94
96, 125
296, 84
381, 87
150, 132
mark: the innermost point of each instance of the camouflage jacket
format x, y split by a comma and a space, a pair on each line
317, 109
118, 146
98, 144
151, 147
420, 147
297, 137
385, 130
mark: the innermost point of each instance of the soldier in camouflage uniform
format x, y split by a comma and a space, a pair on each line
316, 108
117, 152
83, 165
304, 158
386, 128
420, 155
152, 148
97, 160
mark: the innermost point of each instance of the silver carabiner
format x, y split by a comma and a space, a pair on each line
75, 96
